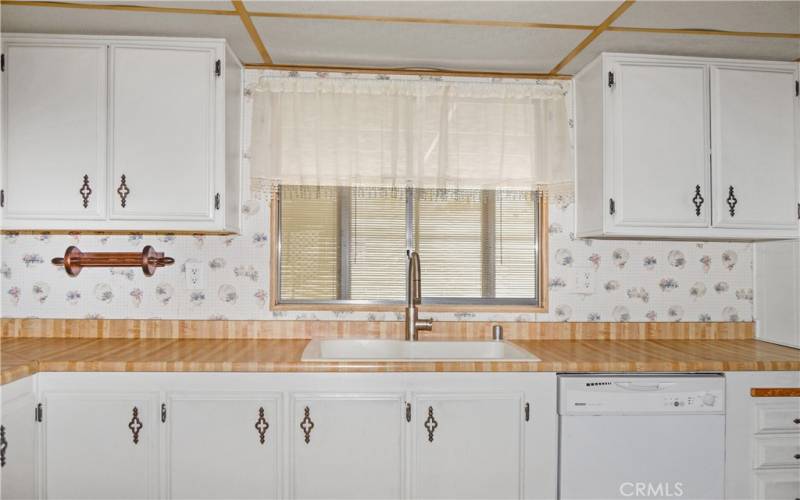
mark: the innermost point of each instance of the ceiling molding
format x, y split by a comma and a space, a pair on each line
117, 7
252, 31
591, 36
407, 71
703, 32
424, 20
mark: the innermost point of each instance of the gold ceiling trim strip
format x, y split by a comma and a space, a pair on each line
702, 32
408, 71
124, 8
252, 31
592, 36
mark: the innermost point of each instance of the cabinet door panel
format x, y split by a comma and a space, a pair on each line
475, 449
162, 117
90, 451
55, 130
19, 431
215, 448
753, 140
354, 449
660, 144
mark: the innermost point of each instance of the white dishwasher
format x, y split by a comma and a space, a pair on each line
641, 437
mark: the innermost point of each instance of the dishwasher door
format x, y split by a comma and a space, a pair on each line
642, 456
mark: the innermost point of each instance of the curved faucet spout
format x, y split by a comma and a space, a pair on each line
413, 297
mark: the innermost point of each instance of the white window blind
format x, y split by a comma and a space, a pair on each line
348, 245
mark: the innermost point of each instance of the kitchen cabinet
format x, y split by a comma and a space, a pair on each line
347, 445
762, 437
223, 445
54, 165
777, 292
327, 435
122, 133
18, 441
468, 445
657, 132
102, 445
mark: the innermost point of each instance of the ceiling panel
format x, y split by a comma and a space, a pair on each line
781, 49
414, 46
98, 22
769, 16
592, 12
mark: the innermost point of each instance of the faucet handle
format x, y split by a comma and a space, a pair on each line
425, 324
497, 332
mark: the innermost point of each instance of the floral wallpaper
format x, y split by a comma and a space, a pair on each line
634, 280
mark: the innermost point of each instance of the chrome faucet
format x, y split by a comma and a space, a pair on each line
413, 297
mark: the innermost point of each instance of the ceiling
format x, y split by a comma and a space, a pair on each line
533, 38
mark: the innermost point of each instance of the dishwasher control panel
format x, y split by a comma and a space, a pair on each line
636, 395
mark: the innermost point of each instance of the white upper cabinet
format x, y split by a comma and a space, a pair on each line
655, 133
753, 139
54, 162
145, 119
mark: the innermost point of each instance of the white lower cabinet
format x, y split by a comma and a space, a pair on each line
332, 435
762, 437
347, 445
468, 445
102, 444
18, 441
223, 444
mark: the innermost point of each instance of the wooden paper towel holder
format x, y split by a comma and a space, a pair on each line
74, 260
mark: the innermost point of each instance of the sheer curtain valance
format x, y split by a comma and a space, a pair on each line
401, 132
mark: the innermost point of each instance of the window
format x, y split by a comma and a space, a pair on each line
343, 247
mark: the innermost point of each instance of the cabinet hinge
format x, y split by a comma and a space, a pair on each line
218, 68
798, 210
2, 62
610, 79
612, 209
2, 198
527, 412
797, 88
163, 412
217, 200
39, 413
408, 412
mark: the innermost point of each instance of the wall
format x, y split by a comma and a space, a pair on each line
635, 280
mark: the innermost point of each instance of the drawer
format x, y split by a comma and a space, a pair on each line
777, 485
778, 417
777, 451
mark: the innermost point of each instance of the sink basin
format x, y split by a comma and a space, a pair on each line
401, 350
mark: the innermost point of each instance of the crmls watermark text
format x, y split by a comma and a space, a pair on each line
660, 490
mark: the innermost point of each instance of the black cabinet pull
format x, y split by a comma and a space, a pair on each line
307, 424
123, 191
261, 425
732, 201
135, 425
697, 200
85, 191
431, 424
3, 445
797, 456
797, 421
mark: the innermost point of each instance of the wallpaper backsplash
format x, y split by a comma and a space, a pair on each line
634, 280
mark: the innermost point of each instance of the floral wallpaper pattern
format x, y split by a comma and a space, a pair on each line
634, 280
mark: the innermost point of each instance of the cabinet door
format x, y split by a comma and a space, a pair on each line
163, 132
55, 131
18, 430
777, 292
467, 446
347, 446
223, 445
753, 140
659, 134
101, 445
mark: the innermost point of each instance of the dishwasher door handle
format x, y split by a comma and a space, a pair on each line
634, 386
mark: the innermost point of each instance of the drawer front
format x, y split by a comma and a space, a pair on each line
778, 451
778, 417
777, 485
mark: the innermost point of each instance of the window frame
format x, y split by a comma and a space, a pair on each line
429, 305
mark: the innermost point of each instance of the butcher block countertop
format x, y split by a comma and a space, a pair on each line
20, 357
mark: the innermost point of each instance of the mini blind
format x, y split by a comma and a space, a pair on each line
348, 245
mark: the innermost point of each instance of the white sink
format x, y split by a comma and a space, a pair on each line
401, 350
